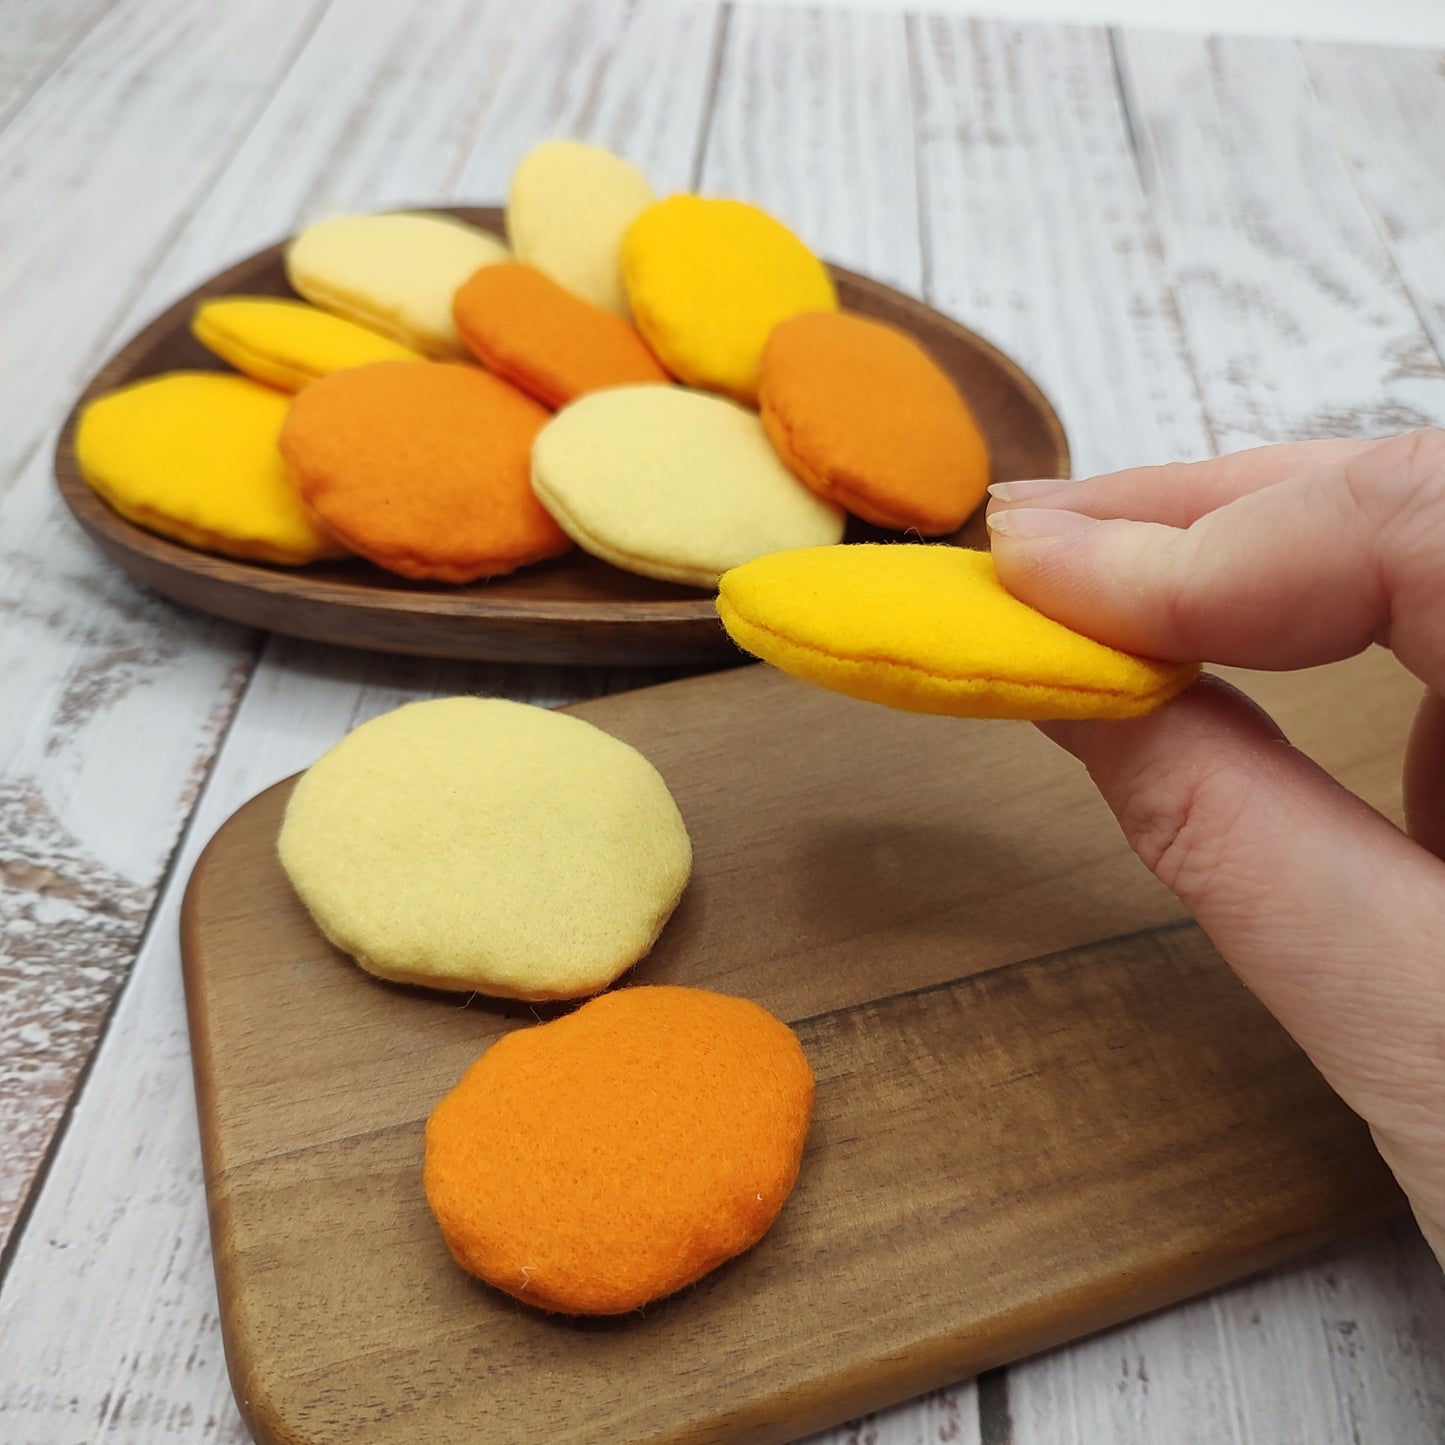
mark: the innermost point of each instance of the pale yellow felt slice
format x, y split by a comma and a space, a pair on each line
931, 629
288, 343
193, 455
673, 483
569, 206
708, 280
478, 844
396, 273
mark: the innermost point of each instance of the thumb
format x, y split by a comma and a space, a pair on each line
1327, 912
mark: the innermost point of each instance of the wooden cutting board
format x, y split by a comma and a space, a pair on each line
1044, 1105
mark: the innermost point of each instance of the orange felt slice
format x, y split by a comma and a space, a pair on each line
551, 344
608, 1158
424, 468
865, 417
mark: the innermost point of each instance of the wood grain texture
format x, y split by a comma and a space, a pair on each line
1269, 249
999, 1160
93, 818
575, 609
1036, 227
1380, 105
39, 35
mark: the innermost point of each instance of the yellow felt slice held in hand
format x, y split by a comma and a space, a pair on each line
931, 629
287, 343
193, 455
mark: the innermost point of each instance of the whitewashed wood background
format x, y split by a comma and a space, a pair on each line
1194, 244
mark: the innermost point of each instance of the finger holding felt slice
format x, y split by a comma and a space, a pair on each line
288, 344
395, 273
193, 455
930, 628
590, 1165
526, 329
708, 281
568, 208
865, 417
424, 468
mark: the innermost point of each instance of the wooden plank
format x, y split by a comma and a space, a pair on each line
1298, 325
813, 122
39, 34
1269, 250
1382, 106
1037, 232
1022, 1152
403, 115
123, 702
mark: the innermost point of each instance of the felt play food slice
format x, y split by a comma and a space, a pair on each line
424, 468
611, 1157
526, 329
931, 629
568, 209
477, 844
673, 483
709, 280
192, 455
863, 415
396, 273
288, 343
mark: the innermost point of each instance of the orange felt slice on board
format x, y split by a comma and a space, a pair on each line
613, 1156
549, 343
424, 468
865, 417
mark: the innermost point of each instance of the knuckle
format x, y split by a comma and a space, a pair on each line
1400, 478
1181, 822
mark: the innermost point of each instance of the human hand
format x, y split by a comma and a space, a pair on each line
1281, 557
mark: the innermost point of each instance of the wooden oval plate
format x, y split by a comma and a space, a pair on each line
575, 609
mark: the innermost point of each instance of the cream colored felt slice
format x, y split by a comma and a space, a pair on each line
396, 273
477, 844
288, 343
193, 455
569, 207
931, 629
673, 483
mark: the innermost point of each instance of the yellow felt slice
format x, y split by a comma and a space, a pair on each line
288, 343
396, 273
193, 455
931, 629
708, 281
673, 483
477, 844
568, 209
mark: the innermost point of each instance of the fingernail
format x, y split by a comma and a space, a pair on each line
1037, 522
1029, 490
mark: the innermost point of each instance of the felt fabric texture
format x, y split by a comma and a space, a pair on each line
526, 329
395, 273
288, 344
568, 208
930, 628
709, 280
192, 455
491, 846
609, 1158
863, 415
673, 483
423, 467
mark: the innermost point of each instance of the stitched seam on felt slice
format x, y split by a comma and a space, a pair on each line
267, 361
936, 676
588, 542
529, 383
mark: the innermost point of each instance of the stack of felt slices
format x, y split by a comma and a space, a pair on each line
668, 384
